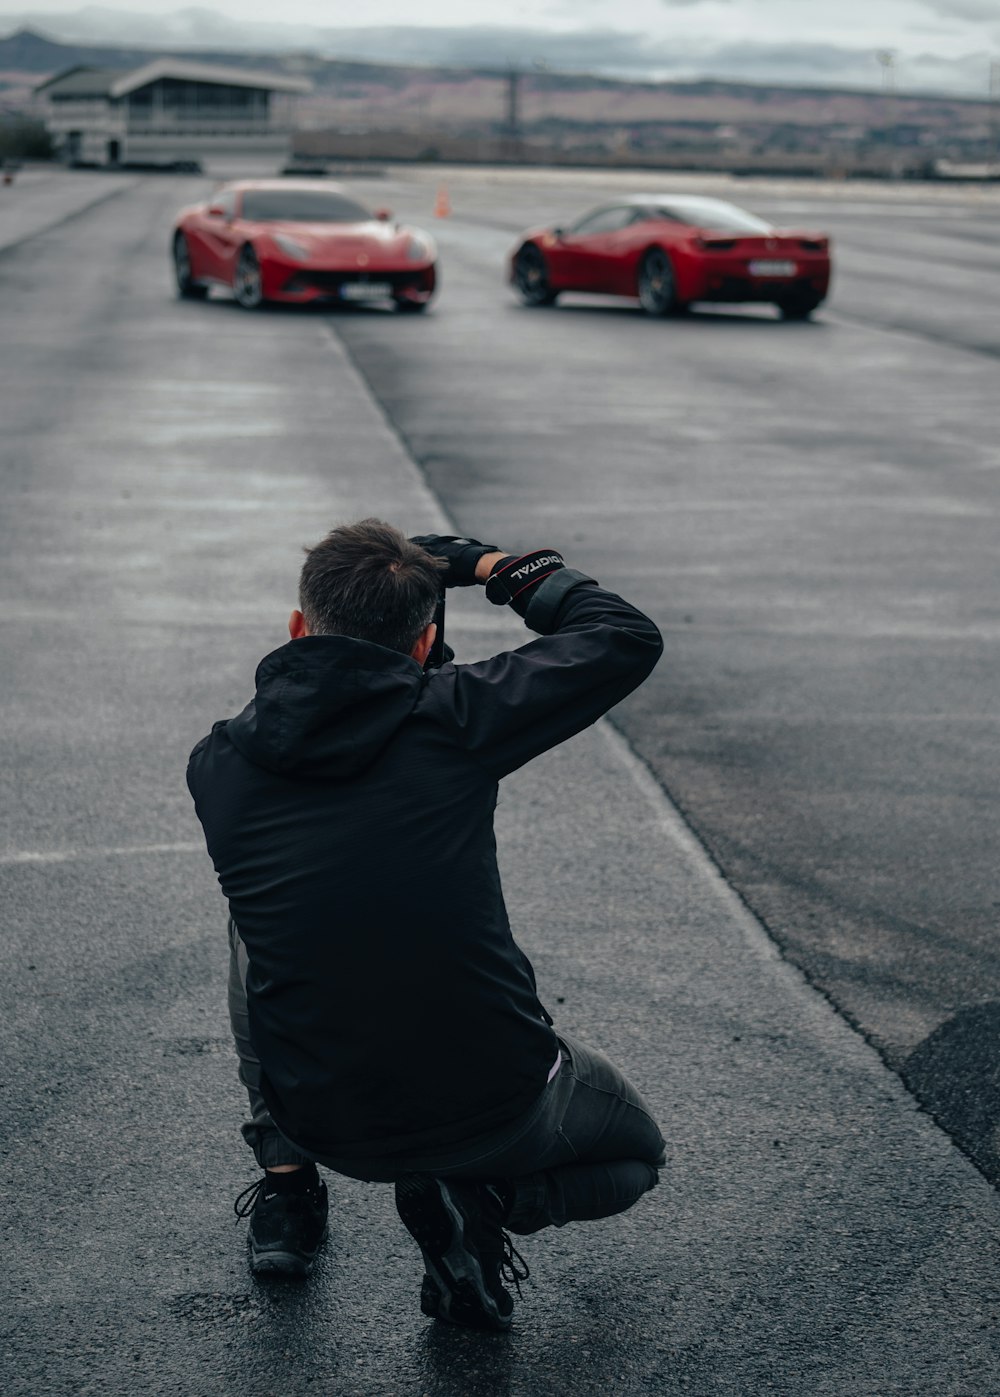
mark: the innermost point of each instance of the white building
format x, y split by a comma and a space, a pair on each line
168, 112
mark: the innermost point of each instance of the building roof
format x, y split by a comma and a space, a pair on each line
206, 72
82, 82
109, 82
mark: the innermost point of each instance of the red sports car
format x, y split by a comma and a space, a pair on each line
278, 240
670, 250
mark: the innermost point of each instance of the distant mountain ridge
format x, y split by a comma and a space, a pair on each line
620, 47
571, 115
29, 51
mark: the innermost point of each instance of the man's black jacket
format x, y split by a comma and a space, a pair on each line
349, 813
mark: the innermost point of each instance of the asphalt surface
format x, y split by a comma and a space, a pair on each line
810, 511
805, 510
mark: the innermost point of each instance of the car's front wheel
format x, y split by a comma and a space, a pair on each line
656, 286
798, 307
187, 288
248, 284
531, 277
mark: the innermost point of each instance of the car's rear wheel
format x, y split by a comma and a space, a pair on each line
798, 307
187, 288
531, 277
248, 284
656, 286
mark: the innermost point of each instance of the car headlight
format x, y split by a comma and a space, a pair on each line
297, 251
419, 249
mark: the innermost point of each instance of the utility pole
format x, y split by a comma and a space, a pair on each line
887, 62
512, 117
513, 122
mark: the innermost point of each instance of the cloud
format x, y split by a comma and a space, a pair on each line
830, 65
608, 51
814, 60
623, 54
492, 46
965, 9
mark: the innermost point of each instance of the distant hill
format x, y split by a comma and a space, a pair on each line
28, 52
570, 112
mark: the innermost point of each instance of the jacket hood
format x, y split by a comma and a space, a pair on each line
325, 706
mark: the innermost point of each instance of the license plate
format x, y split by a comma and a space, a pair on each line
773, 269
365, 290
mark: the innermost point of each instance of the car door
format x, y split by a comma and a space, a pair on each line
218, 238
591, 249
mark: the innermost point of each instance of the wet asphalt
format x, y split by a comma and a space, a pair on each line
767, 891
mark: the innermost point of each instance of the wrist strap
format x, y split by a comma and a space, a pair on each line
511, 576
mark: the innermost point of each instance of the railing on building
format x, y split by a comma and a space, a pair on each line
187, 117
159, 127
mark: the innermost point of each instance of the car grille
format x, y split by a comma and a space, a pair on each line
331, 282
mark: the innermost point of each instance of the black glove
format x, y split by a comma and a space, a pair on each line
461, 555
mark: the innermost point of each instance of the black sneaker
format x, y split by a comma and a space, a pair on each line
467, 1255
286, 1229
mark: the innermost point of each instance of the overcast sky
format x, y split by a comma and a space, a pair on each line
940, 45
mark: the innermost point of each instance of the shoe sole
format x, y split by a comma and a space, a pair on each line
283, 1263
436, 1223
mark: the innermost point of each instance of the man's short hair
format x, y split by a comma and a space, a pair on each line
369, 582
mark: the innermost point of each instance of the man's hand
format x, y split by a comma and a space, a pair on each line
466, 557
487, 563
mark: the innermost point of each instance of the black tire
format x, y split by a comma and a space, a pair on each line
187, 288
248, 287
655, 286
531, 277
797, 307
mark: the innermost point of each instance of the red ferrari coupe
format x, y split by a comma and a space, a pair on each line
670, 250
276, 240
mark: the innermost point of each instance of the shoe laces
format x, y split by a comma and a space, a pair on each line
247, 1200
513, 1267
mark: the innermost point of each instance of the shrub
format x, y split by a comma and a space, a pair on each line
24, 138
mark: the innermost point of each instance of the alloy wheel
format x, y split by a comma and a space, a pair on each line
248, 285
186, 287
657, 290
531, 277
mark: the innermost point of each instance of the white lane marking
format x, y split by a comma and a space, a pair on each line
33, 856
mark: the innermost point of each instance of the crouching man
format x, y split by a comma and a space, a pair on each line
387, 1022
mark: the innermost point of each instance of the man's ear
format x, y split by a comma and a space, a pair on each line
424, 641
297, 627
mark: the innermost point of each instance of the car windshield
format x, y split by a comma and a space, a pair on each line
301, 206
711, 213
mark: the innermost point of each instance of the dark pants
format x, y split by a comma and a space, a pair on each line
587, 1148
269, 1146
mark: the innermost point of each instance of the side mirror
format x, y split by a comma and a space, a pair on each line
383, 215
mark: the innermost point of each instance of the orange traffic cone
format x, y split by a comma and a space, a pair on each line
442, 206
